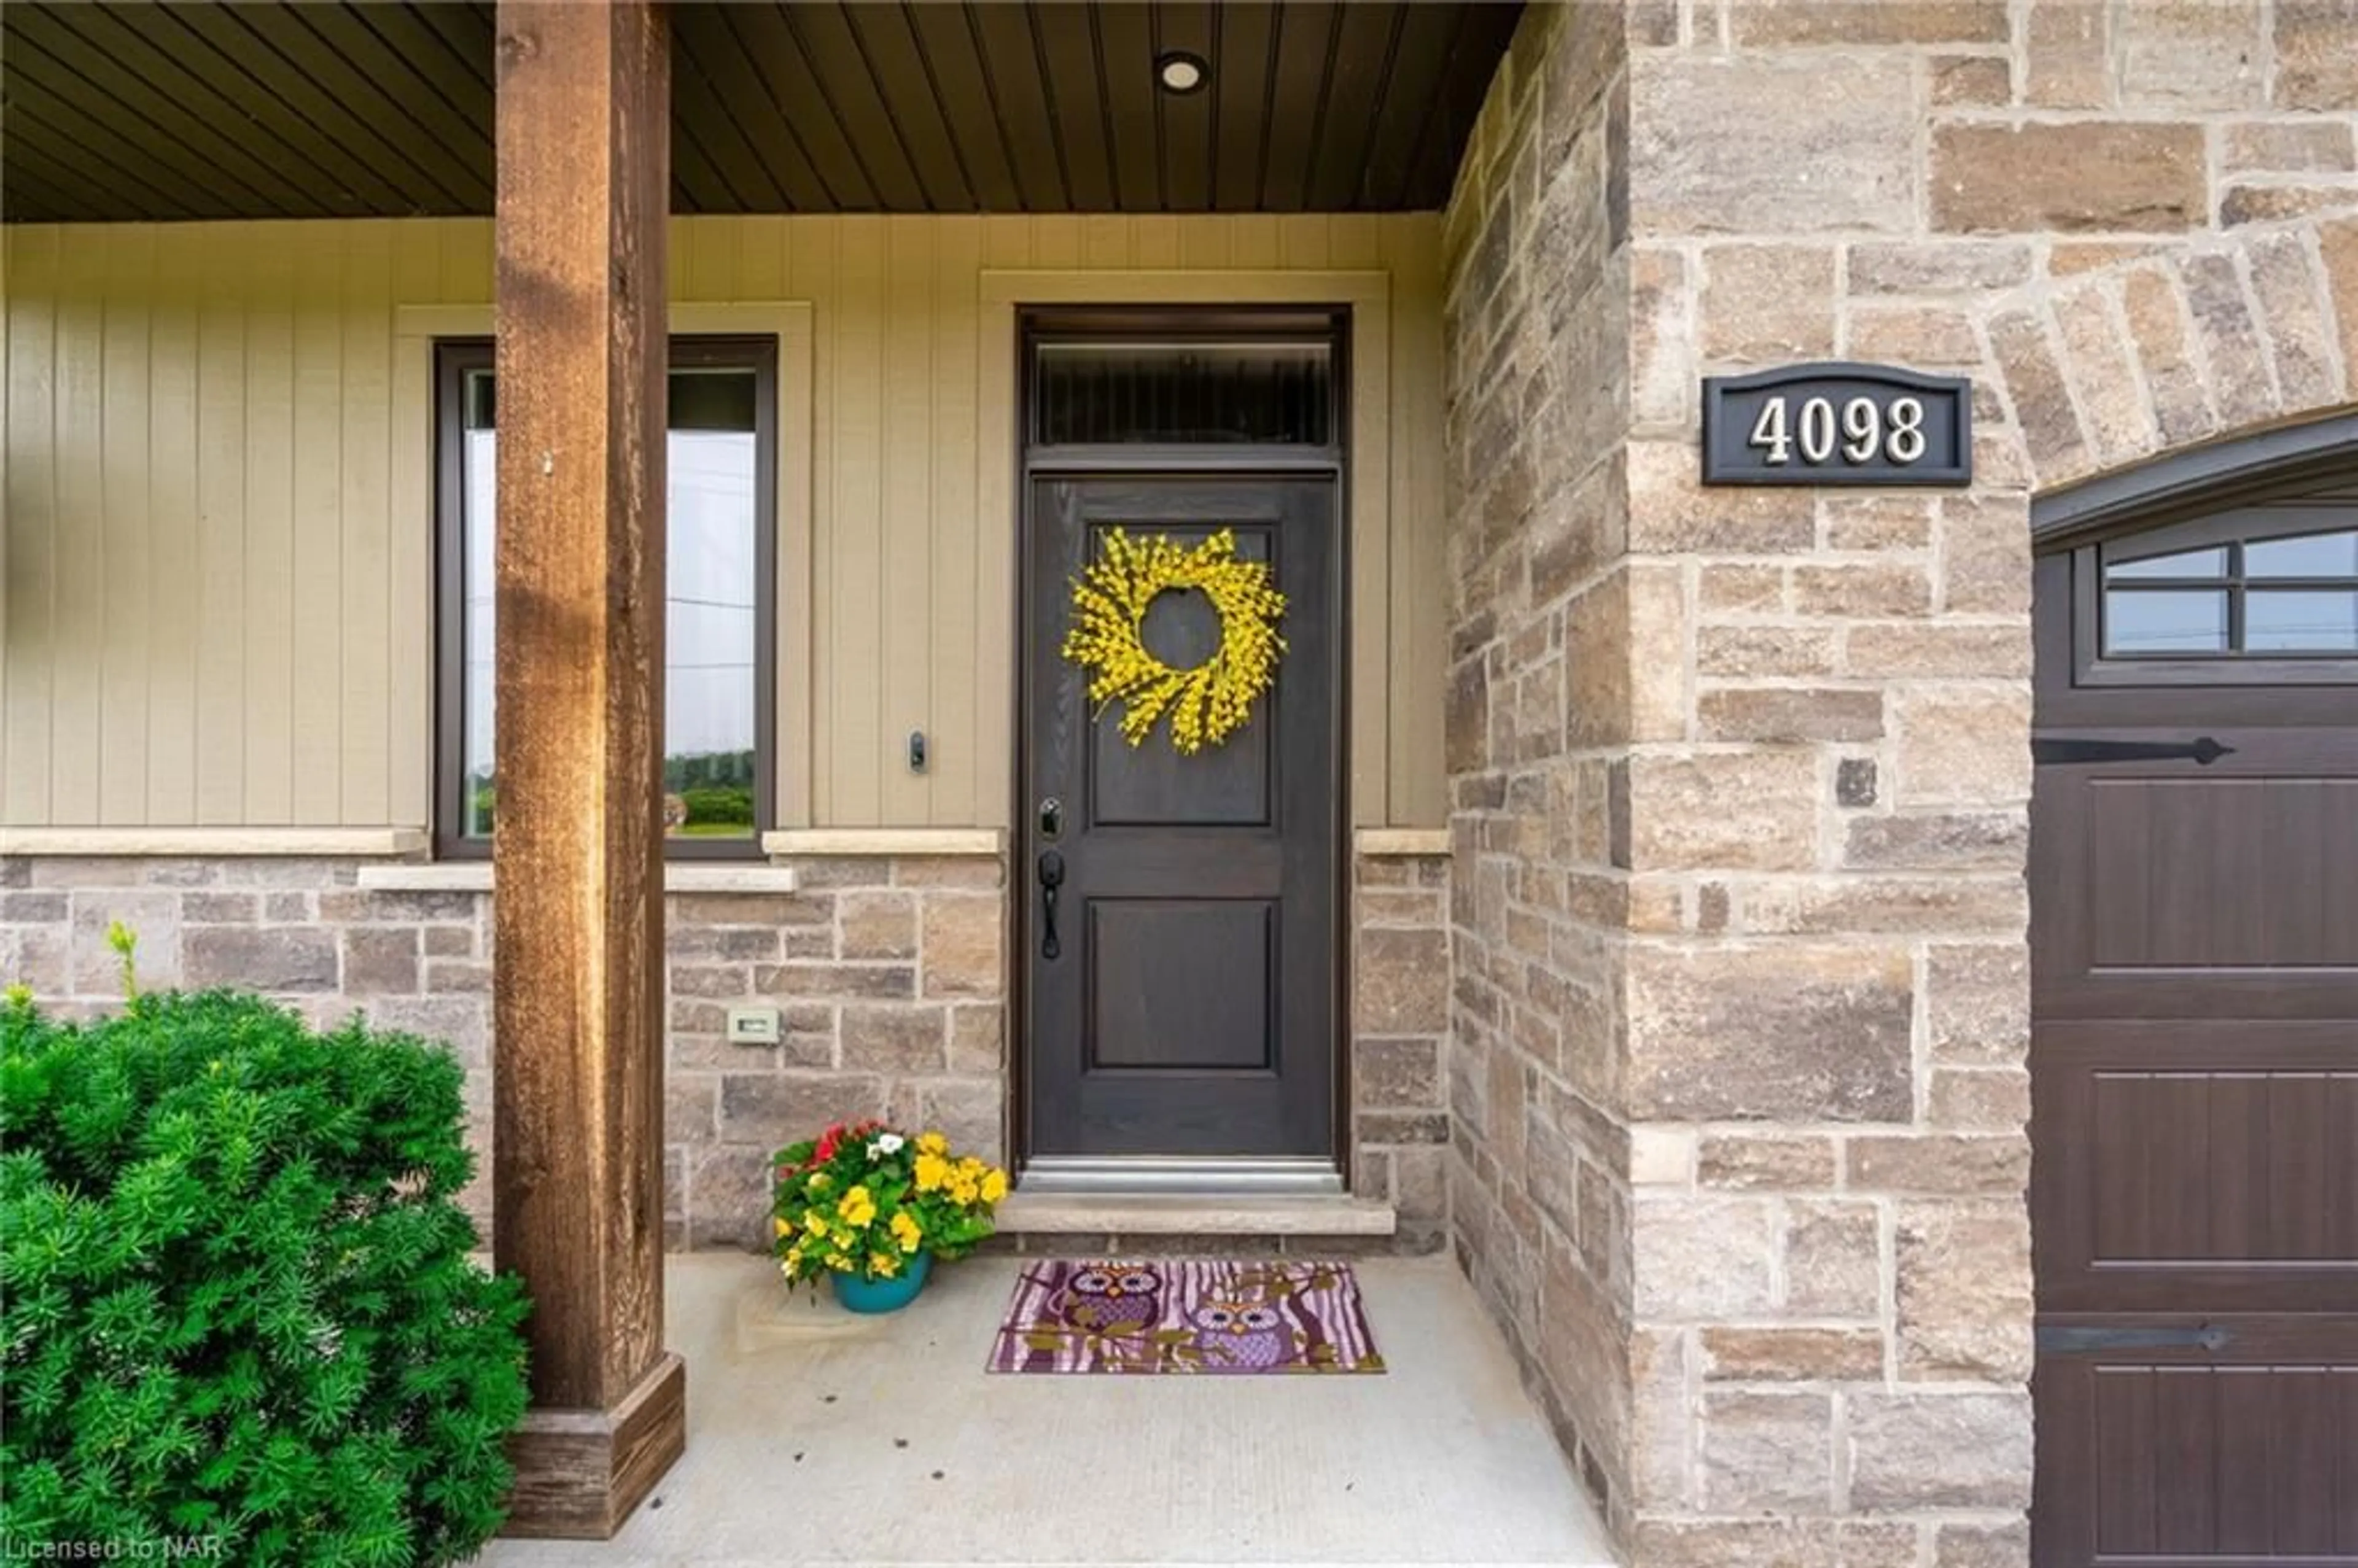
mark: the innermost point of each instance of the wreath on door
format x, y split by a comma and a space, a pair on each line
1207, 703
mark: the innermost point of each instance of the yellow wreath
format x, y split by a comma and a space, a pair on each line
1209, 703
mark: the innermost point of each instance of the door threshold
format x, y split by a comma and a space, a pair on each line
1194, 1176
1027, 1212
1168, 1195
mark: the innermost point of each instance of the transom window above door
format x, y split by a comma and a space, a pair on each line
719, 617
1234, 377
1269, 393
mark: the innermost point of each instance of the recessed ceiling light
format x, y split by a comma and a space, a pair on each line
1182, 72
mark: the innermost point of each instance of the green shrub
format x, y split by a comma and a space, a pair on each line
720, 806
238, 1301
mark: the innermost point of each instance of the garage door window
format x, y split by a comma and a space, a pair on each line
2266, 591
2284, 596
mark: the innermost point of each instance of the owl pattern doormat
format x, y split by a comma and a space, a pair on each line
1186, 1317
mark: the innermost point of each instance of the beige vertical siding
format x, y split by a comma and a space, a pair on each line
218, 546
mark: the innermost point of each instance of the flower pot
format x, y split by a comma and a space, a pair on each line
882, 1296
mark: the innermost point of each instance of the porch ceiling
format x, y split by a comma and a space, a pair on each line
120, 112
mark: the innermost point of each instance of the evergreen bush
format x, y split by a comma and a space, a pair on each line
239, 1307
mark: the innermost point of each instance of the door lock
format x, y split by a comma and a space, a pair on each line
1052, 817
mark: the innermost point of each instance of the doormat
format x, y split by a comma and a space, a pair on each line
1186, 1317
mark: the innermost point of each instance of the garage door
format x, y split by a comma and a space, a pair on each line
2194, 1055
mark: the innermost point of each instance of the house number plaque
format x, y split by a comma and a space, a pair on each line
1837, 425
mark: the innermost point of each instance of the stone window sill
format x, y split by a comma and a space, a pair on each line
475, 876
912, 842
201, 843
1400, 841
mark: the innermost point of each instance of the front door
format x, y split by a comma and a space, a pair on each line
1180, 927
2194, 1045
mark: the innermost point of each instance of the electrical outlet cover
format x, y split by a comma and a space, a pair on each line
753, 1026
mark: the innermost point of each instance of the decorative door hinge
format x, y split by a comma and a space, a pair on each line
2076, 1341
2202, 751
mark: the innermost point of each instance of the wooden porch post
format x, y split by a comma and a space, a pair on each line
584, 187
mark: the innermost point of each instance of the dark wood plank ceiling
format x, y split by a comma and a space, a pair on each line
349, 108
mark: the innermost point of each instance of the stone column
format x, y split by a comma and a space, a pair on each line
1739, 799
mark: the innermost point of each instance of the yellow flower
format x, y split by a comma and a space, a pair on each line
838, 1261
964, 1188
793, 1262
933, 1171
932, 1143
884, 1265
906, 1231
994, 1187
815, 1222
819, 1182
779, 1226
856, 1206
1208, 702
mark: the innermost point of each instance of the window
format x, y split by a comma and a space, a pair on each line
2266, 583
1275, 394
1242, 376
720, 630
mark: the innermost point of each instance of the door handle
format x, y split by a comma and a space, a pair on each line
1051, 877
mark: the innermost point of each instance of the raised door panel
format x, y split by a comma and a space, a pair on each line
2246, 1457
2166, 889
2196, 1165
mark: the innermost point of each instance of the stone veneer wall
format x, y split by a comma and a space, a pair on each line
1399, 1027
888, 973
1536, 246
1739, 776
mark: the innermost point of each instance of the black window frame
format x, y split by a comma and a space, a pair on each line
454, 358
2231, 530
1325, 327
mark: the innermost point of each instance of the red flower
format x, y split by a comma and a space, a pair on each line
827, 1144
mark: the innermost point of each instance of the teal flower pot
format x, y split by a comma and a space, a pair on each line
882, 1296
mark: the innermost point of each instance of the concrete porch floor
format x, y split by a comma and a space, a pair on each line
796, 1415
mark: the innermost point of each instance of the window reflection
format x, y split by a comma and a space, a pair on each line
2309, 555
2185, 563
712, 603
2282, 595
2280, 620
2167, 622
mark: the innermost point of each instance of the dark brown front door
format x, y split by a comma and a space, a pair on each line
1181, 981
2194, 1060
